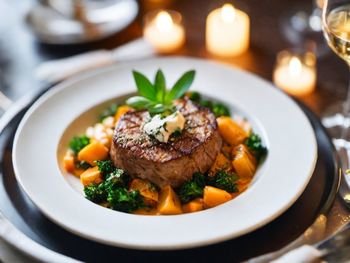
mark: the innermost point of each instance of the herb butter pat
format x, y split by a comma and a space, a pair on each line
162, 128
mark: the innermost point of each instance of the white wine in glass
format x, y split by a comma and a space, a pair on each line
336, 28
337, 31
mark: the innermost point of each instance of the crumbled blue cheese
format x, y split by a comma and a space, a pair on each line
162, 128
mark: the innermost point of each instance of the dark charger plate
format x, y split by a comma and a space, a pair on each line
316, 199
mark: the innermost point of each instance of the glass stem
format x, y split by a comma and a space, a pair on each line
346, 112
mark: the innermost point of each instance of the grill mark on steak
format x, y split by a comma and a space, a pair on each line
167, 163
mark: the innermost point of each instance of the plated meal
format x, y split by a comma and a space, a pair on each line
198, 149
165, 152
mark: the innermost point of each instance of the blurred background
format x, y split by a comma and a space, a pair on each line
26, 25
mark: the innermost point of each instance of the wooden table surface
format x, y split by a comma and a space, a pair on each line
21, 52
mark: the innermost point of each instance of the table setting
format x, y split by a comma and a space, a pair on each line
167, 129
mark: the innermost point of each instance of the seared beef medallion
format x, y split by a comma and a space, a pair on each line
171, 163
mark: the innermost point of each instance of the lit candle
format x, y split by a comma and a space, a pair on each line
294, 74
227, 31
164, 30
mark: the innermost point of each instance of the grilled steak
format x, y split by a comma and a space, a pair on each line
170, 163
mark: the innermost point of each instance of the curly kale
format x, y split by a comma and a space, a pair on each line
78, 143
105, 167
117, 178
192, 189
220, 110
82, 165
114, 189
123, 200
223, 180
95, 193
110, 111
255, 145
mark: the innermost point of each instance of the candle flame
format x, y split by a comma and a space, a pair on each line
164, 21
295, 66
228, 13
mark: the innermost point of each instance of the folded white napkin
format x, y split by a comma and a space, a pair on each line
57, 70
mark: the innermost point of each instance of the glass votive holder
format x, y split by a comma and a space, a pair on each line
295, 72
164, 30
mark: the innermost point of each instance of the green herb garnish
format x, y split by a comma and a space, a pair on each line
192, 189
219, 109
95, 193
155, 97
105, 167
223, 180
82, 165
78, 143
255, 145
123, 200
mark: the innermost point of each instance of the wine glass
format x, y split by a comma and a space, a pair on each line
336, 29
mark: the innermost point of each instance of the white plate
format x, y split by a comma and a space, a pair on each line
43, 134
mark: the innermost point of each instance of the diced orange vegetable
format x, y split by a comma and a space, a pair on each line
193, 206
243, 162
94, 151
221, 163
226, 149
145, 188
91, 176
169, 202
145, 211
68, 162
78, 171
213, 196
230, 131
121, 111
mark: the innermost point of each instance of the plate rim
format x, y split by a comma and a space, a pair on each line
84, 76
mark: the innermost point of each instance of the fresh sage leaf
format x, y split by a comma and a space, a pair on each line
144, 86
181, 86
160, 86
139, 102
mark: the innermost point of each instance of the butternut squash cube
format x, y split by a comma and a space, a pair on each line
146, 212
214, 196
78, 171
243, 162
91, 176
230, 131
68, 162
92, 152
220, 163
169, 202
145, 188
193, 206
121, 111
